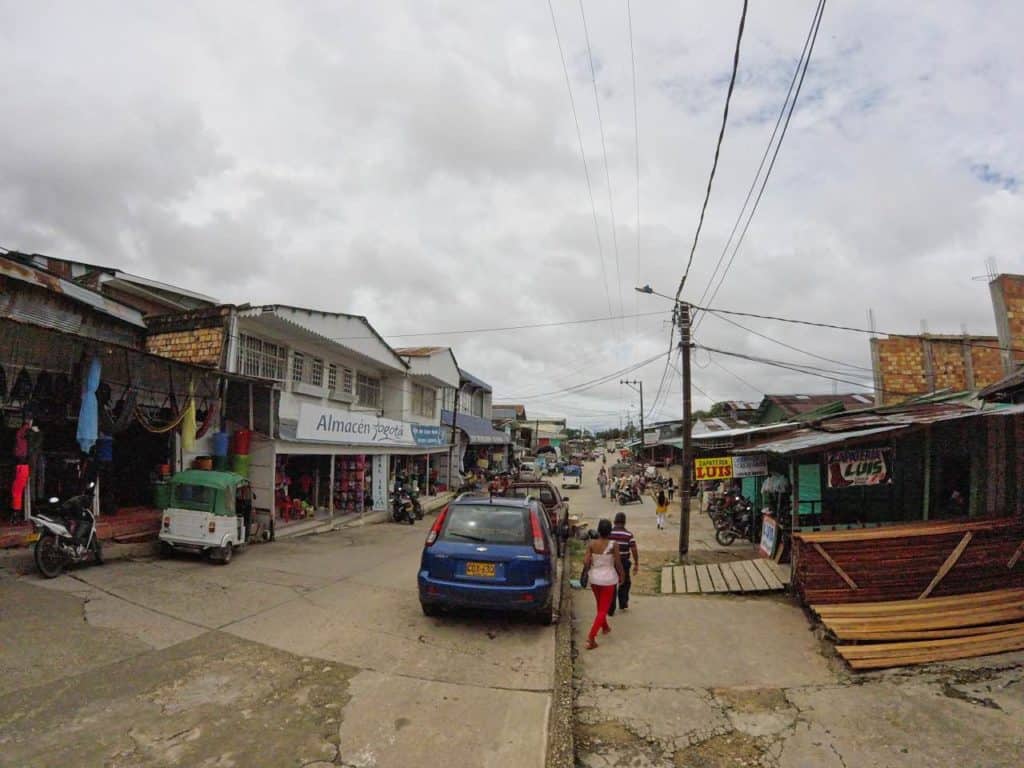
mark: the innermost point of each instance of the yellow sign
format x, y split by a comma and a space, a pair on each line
718, 468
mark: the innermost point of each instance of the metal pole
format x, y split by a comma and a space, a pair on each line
684, 495
642, 440
453, 451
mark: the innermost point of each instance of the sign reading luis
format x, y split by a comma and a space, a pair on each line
330, 425
858, 466
718, 468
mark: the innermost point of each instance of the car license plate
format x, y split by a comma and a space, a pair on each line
32, 537
480, 569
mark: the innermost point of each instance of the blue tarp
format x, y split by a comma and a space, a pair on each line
88, 415
479, 431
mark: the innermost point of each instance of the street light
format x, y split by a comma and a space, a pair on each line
682, 317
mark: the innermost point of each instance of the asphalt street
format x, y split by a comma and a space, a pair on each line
311, 651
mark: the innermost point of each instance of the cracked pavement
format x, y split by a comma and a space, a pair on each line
709, 681
304, 652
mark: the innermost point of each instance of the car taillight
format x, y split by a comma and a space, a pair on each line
212, 526
435, 529
167, 522
538, 536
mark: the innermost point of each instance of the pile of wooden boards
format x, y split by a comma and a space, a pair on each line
907, 561
903, 632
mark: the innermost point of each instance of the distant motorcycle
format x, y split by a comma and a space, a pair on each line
628, 496
403, 507
66, 534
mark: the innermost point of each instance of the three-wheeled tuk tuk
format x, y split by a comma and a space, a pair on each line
209, 512
572, 476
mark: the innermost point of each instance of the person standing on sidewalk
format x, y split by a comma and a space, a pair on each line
627, 552
605, 573
602, 482
21, 468
661, 510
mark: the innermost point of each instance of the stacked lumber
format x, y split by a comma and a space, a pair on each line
908, 561
903, 632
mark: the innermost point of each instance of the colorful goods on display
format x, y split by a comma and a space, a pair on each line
351, 481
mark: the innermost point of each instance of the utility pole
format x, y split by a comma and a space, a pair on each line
683, 318
633, 385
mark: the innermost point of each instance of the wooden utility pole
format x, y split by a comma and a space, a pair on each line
634, 384
683, 318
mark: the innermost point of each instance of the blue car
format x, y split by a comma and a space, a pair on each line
489, 552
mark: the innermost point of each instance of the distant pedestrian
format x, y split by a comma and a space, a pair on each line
627, 553
604, 573
670, 486
602, 482
661, 510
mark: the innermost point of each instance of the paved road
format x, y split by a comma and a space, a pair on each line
304, 652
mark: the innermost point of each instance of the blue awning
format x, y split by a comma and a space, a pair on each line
478, 430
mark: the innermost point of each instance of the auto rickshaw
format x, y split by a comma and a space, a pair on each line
209, 512
572, 476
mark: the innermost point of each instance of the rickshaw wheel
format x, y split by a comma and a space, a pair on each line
225, 553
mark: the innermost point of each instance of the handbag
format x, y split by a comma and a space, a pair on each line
585, 576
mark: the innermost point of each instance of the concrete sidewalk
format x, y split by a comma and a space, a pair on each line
731, 680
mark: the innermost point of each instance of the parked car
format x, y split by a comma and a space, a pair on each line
556, 505
489, 552
529, 471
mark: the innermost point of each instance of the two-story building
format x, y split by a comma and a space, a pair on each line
468, 415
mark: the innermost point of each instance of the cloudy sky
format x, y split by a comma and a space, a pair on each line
418, 162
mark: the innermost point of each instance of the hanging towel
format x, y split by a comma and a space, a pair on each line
88, 415
188, 423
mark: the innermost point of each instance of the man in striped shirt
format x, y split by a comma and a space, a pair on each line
627, 552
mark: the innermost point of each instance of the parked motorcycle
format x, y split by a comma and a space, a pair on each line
403, 509
67, 534
628, 496
739, 524
417, 508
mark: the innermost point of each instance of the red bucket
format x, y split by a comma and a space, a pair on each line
242, 439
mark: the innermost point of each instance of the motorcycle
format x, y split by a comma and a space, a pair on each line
739, 525
66, 534
628, 496
403, 508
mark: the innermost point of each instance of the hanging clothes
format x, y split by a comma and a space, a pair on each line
188, 423
88, 415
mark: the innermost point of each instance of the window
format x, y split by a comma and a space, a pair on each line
368, 391
478, 404
298, 365
424, 400
346, 380
316, 372
332, 376
261, 359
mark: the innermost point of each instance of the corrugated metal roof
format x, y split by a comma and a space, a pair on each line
419, 351
470, 378
811, 440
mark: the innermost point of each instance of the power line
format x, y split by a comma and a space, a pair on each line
583, 157
718, 148
775, 154
604, 154
815, 20
636, 149
736, 376
584, 386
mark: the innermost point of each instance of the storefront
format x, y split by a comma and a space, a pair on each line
334, 462
479, 445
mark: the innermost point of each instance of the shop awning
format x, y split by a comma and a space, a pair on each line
478, 430
810, 441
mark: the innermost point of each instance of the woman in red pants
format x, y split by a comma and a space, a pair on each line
605, 573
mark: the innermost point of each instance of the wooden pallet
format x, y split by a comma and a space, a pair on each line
736, 577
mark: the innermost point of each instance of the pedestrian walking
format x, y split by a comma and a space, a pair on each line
604, 573
602, 482
627, 554
671, 487
661, 509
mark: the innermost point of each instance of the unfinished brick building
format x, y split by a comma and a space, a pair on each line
908, 366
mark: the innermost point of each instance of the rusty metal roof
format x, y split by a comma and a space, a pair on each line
810, 440
419, 351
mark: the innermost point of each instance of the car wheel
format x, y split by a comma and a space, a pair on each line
429, 609
224, 553
166, 550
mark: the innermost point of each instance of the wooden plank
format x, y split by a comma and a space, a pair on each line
666, 580
908, 530
930, 634
834, 565
679, 575
704, 579
746, 583
769, 574
717, 580
963, 619
881, 650
692, 584
915, 605
948, 565
1016, 556
729, 574
760, 585
784, 572
940, 654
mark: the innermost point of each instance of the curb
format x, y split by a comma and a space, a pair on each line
21, 562
561, 748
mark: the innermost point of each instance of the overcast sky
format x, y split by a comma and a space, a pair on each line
417, 162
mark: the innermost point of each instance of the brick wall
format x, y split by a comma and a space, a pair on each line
1008, 304
906, 366
199, 346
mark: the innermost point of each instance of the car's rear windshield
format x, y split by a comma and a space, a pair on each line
487, 524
